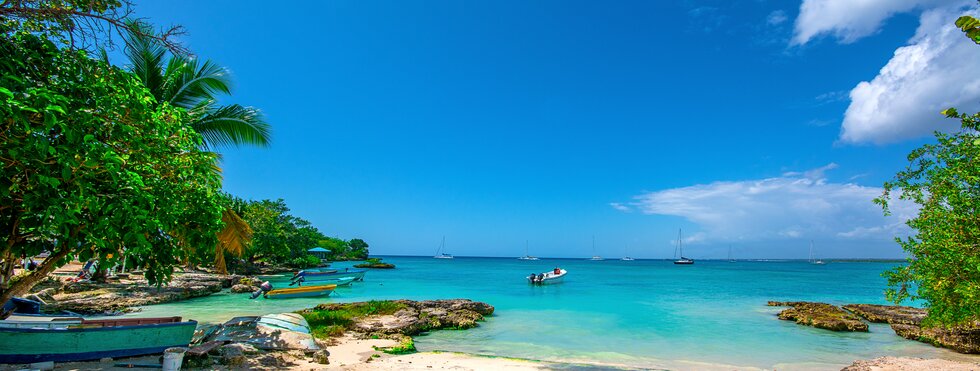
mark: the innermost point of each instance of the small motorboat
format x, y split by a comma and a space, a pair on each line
297, 292
553, 276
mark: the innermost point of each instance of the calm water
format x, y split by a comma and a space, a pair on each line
644, 313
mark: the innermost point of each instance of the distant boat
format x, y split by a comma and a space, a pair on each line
526, 255
546, 278
626, 255
730, 260
594, 255
300, 292
812, 261
680, 251
76, 339
339, 281
439, 253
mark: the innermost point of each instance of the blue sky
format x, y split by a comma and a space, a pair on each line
756, 124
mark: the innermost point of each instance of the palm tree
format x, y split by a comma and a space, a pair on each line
194, 85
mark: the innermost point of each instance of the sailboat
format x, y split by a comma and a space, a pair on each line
526, 255
680, 249
439, 253
812, 261
730, 260
594, 255
626, 255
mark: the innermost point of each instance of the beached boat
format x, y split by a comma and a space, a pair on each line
300, 292
680, 251
546, 278
526, 256
439, 253
76, 339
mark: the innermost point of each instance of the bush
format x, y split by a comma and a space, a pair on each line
306, 261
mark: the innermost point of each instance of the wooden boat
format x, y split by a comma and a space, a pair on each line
76, 339
680, 249
550, 277
300, 292
339, 281
357, 274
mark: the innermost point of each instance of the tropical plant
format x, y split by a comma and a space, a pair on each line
195, 85
943, 179
91, 163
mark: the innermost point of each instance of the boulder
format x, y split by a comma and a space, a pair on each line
322, 357
240, 288
820, 315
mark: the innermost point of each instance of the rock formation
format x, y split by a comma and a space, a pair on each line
820, 315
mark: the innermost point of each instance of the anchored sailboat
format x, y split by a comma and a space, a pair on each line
680, 251
626, 255
811, 260
594, 255
730, 260
526, 256
439, 253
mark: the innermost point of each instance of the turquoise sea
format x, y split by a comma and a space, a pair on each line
633, 314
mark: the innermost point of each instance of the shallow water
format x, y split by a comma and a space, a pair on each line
643, 313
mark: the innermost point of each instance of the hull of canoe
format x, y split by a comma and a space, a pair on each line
29, 345
356, 275
301, 292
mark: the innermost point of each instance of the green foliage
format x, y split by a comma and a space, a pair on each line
355, 249
943, 179
332, 322
970, 27
278, 237
305, 261
92, 163
195, 86
405, 346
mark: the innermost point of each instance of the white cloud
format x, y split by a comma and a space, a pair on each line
777, 17
620, 207
937, 70
796, 205
850, 20
933, 72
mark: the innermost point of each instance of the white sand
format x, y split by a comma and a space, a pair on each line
353, 354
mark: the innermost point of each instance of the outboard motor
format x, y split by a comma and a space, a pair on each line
541, 278
531, 277
263, 288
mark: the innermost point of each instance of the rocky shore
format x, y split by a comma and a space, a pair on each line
123, 294
910, 364
905, 321
820, 315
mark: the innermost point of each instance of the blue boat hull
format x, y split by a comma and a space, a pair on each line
357, 275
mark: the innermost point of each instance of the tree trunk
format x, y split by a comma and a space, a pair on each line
23, 285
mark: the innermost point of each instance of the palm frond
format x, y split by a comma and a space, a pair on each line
233, 125
232, 239
146, 57
190, 82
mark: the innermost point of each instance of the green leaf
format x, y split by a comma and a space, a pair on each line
88, 138
950, 112
6, 92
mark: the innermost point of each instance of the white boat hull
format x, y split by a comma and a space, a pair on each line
549, 278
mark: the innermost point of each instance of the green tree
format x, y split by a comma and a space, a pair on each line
943, 179
358, 249
92, 163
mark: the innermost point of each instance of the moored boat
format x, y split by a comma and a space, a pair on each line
300, 292
339, 281
76, 339
554, 276
680, 250
357, 274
